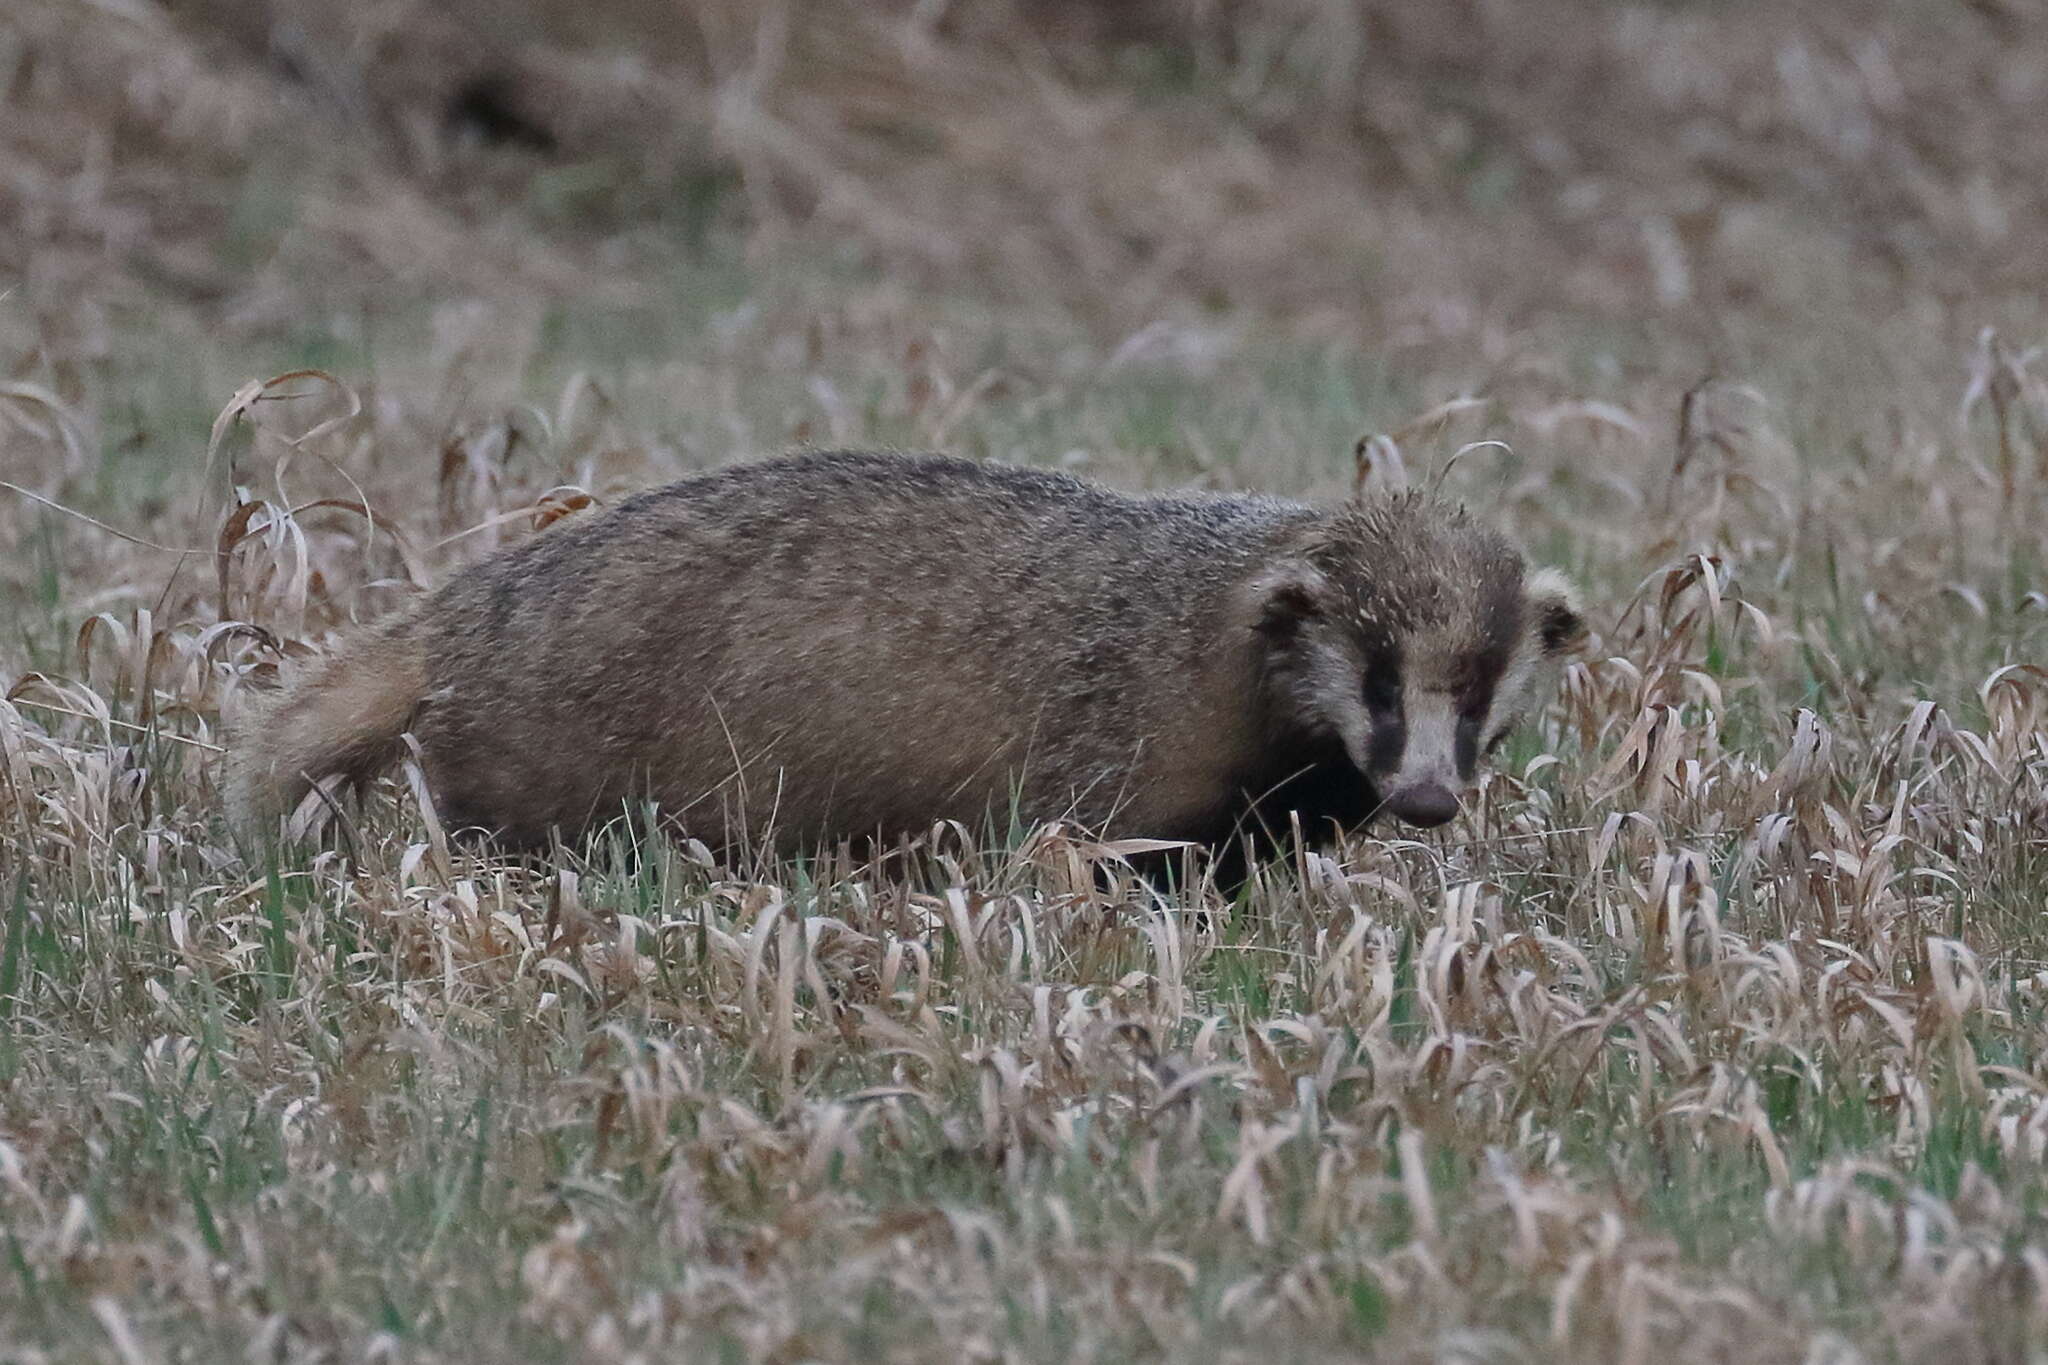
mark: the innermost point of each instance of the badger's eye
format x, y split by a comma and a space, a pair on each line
1493, 745
1473, 703
1382, 691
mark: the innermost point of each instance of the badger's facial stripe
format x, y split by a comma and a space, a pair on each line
1465, 746
1384, 697
1475, 682
1476, 676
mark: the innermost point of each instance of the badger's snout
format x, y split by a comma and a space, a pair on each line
1427, 804
1422, 788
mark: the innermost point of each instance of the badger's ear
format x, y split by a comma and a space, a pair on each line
1554, 607
1286, 597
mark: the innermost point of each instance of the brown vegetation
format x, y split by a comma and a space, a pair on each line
1715, 1029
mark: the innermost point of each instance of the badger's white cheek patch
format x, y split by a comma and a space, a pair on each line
1510, 703
1530, 682
1531, 678
1344, 710
1325, 693
1505, 722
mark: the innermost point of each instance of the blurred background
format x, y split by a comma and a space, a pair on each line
1480, 176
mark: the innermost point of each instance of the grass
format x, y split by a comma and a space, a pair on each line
1713, 1029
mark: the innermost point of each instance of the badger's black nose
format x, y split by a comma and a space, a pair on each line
1428, 804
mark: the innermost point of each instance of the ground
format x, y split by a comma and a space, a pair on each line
1714, 1030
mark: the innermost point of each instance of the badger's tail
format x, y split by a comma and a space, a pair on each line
339, 716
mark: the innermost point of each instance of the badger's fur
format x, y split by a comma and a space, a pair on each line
830, 645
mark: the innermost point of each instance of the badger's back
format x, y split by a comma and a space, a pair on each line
844, 643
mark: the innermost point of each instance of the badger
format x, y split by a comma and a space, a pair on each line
836, 645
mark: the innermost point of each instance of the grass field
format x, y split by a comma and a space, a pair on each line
1714, 1030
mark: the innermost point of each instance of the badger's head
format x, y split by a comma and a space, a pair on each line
1415, 637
